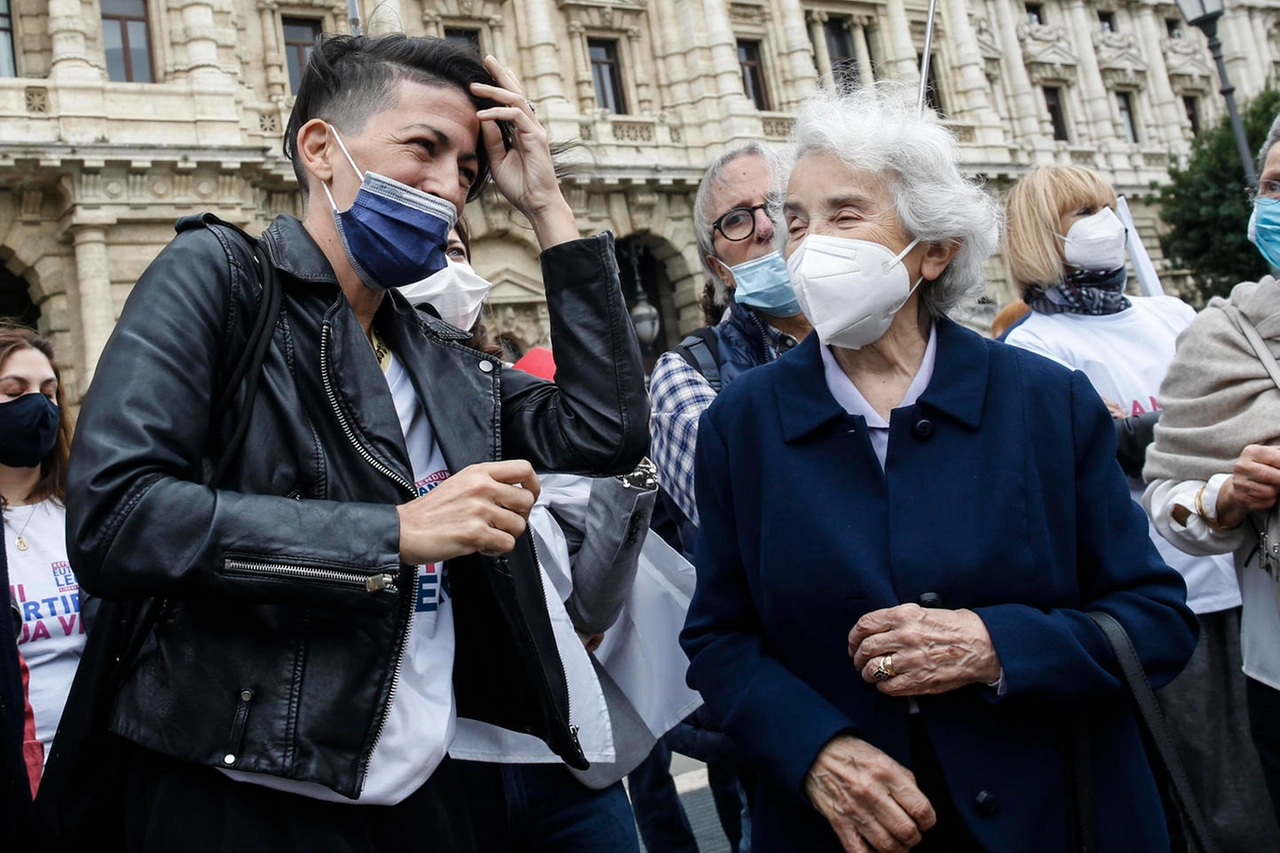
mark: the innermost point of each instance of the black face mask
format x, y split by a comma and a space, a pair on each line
28, 430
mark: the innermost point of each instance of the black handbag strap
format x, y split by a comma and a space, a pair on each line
248, 369
1153, 722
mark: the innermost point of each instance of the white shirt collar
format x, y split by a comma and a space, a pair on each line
851, 399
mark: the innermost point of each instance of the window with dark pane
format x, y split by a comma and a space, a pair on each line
752, 73
844, 64
1192, 105
931, 95
607, 75
8, 68
462, 36
1035, 13
300, 36
1107, 22
1173, 26
126, 40
1124, 102
1057, 115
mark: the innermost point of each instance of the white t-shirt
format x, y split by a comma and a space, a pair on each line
1126, 355
47, 594
421, 720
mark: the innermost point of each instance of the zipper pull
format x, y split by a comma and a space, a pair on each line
379, 583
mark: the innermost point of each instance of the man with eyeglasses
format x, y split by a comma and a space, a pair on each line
758, 317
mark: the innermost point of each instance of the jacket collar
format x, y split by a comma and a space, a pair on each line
292, 250
958, 387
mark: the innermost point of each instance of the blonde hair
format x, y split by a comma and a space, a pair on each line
1033, 218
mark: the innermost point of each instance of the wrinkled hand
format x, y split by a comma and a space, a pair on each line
481, 508
870, 800
1254, 485
934, 651
525, 174
1117, 413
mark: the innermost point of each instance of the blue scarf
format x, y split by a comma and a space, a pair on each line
1083, 292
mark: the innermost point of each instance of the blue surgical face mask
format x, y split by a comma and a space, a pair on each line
1264, 229
762, 284
393, 234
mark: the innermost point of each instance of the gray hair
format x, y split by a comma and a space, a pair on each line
877, 128
711, 182
1273, 136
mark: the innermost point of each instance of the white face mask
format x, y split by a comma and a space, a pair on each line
849, 289
1095, 242
456, 292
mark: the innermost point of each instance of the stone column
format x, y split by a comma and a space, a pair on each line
672, 49
201, 58
818, 34
724, 54
1026, 105
539, 42
496, 42
862, 51
385, 17
799, 55
973, 77
67, 29
644, 92
272, 51
1169, 114
902, 58
582, 62
1097, 103
93, 294
431, 24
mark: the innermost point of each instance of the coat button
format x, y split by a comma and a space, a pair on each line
987, 803
246, 695
923, 429
229, 759
930, 600
486, 367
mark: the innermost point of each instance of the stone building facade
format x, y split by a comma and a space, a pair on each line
118, 116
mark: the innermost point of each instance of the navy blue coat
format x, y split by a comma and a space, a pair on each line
1001, 494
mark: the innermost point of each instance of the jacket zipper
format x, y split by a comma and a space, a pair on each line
383, 581
327, 380
568, 688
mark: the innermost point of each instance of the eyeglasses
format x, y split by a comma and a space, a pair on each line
1264, 189
739, 223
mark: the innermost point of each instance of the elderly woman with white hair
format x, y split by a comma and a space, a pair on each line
905, 527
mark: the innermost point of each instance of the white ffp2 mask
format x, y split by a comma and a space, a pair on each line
849, 289
1095, 242
457, 293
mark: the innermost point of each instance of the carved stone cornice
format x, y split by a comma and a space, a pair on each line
1047, 54
1119, 59
618, 15
1185, 61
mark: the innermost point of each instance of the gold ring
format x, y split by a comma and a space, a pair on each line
884, 669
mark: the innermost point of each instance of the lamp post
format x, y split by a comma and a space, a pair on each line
1205, 14
644, 316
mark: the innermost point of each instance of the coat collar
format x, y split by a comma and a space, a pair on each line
293, 251
958, 387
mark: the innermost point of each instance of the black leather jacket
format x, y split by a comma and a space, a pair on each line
285, 604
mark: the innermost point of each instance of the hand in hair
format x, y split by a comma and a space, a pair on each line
526, 173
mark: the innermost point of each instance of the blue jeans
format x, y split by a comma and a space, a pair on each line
541, 808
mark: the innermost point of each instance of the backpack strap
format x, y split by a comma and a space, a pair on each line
702, 352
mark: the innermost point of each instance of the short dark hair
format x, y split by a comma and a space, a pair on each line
349, 79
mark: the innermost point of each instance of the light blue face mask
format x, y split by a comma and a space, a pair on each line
1264, 229
763, 284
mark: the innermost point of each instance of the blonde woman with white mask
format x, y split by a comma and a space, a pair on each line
903, 527
1066, 250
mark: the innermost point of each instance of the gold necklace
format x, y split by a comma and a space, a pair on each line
21, 541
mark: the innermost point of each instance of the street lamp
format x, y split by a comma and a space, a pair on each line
644, 316
1205, 14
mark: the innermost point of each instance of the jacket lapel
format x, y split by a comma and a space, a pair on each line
958, 387
459, 387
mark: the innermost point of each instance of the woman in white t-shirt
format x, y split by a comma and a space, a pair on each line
1066, 251
35, 437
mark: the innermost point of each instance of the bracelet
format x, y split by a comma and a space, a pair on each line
1204, 516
